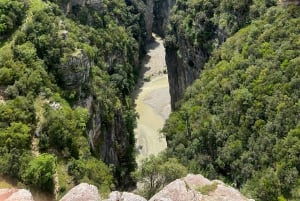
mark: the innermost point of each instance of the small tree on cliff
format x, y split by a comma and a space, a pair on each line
157, 171
40, 171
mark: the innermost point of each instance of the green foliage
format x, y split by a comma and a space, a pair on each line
40, 172
205, 190
46, 57
62, 128
15, 136
240, 120
157, 171
13, 162
92, 171
11, 14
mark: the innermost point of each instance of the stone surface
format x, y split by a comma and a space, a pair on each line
82, 192
289, 2
177, 191
15, 195
119, 196
194, 188
161, 12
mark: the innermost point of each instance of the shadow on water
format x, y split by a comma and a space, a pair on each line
152, 44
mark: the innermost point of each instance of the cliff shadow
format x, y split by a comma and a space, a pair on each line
145, 67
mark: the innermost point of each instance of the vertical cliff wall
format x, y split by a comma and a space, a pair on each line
161, 12
111, 115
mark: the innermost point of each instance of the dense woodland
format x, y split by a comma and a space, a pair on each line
43, 121
240, 120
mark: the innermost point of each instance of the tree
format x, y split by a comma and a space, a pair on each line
40, 171
157, 171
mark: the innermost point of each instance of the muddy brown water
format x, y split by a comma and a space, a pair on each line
152, 102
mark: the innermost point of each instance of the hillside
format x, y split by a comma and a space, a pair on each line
66, 84
239, 121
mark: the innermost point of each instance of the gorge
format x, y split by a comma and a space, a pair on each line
152, 101
87, 86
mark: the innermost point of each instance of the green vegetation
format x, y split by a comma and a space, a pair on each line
156, 172
205, 190
40, 171
64, 75
205, 24
12, 13
240, 120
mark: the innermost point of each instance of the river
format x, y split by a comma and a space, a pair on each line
152, 101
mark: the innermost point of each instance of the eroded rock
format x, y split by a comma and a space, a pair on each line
198, 188
15, 195
119, 196
82, 192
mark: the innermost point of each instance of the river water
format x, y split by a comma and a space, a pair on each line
152, 102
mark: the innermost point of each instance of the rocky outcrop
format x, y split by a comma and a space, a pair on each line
118, 196
74, 72
148, 17
161, 11
183, 69
190, 188
15, 195
289, 2
82, 192
198, 188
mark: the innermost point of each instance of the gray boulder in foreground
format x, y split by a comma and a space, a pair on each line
13, 194
124, 196
198, 188
82, 192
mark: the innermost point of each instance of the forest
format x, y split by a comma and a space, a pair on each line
239, 121
58, 69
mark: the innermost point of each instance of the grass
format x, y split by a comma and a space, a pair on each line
205, 190
4, 183
64, 179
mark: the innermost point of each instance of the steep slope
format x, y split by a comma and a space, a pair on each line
67, 70
198, 27
240, 120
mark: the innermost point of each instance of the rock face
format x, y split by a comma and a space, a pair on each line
118, 196
15, 195
74, 73
148, 17
289, 2
190, 188
82, 192
198, 188
183, 69
161, 12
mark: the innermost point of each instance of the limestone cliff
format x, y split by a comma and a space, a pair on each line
109, 133
161, 12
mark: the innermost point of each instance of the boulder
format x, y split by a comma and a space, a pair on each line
119, 196
15, 195
198, 188
82, 192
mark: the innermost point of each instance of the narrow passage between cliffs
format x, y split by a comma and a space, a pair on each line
152, 101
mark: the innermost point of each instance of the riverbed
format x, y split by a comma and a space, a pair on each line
152, 101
